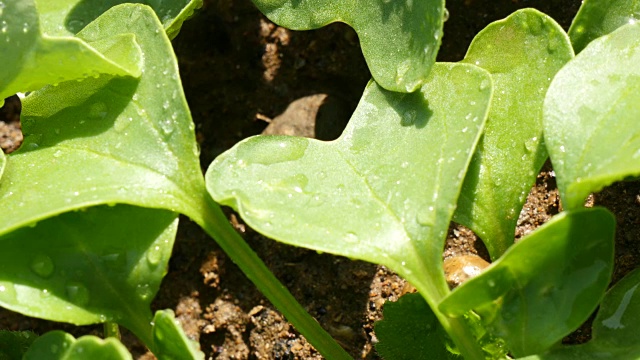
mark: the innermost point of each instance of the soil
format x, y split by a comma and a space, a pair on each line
243, 75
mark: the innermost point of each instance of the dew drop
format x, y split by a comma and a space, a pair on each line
7, 292
426, 215
143, 291
76, 25
77, 293
167, 126
351, 238
4, 27
25, 28
531, 144
115, 260
57, 153
165, 105
484, 84
42, 265
273, 149
562, 148
445, 15
98, 110
154, 256
409, 117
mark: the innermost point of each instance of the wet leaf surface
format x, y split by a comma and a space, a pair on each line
522, 53
399, 39
591, 116
544, 286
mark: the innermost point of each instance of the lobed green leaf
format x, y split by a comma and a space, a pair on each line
170, 339
58, 345
383, 192
32, 60
399, 39
91, 266
615, 331
522, 52
106, 140
591, 116
546, 285
597, 18
68, 17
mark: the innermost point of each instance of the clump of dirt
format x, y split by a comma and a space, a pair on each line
242, 76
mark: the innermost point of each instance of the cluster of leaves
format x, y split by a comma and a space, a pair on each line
109, 140
465, 142
109, 159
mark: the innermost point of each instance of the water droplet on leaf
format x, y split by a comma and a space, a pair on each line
154, 255
98, 110
272, 150
7, 292
77, 293
409, 117
143, 291
351, 238
426, 215
42, 265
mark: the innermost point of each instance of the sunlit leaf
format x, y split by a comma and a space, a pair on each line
96, 265
546, 285
383, 192
399, 39
68, 17
591, 114
106, 140
597, 18
522, 53
615, 333
31, 60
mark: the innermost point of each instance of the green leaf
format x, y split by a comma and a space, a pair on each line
3, 162
522, 53
546, 285
52, 271
409, 330
13, 344
597, 18
58, 345
32, 60
170, 339
383, 192
591, 116
399, 39
107, 140
123, 140
68, 17
616, 331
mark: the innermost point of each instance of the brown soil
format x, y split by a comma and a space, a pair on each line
242, 73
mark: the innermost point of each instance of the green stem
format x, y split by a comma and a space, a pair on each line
111, 329
457, 329
215, 223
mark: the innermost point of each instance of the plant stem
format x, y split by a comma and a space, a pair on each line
455, 327
215, 223
111, 329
